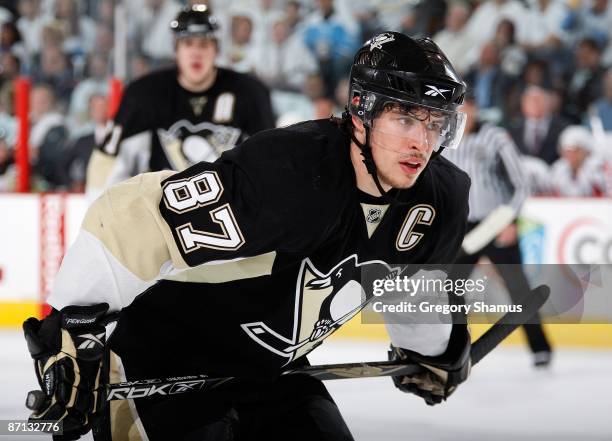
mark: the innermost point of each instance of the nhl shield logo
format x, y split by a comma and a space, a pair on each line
374, 215
197, 104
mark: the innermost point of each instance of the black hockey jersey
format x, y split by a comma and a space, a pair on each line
177, 127
244, 265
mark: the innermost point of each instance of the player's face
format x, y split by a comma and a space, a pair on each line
195, 58
402, 143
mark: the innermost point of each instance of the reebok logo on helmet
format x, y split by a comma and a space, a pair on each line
435, 91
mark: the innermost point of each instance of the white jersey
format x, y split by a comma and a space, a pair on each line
491, 159
589, 181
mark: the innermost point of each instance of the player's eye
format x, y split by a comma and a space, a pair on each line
435, 126
405, 121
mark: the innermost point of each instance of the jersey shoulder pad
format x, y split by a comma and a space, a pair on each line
453, 182
245, 80
127, 221
307, 149
448, 171
150, 85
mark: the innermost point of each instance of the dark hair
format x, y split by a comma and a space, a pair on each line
12, 27
511, 27
591, 43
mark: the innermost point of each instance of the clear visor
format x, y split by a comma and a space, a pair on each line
418, 123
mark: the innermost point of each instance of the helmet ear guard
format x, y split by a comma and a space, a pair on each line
365, 104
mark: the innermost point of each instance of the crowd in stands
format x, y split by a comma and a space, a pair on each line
542, 69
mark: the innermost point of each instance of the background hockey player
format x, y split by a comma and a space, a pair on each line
178, 116
242, 266
499, 188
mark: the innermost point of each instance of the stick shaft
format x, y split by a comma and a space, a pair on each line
484, 345
531, 303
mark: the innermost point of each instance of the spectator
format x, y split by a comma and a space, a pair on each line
591, 19
490, 84
48, 136
540, 28
537, 131
601, 111
5, 15
140, 65
454, 39
30, 24
105, 40
10, 37
293, 108
293, 16
341, 94
584, 80
541, 35
264, 15
157, 38
238, 52
56, 71
52, 35
104, 13
285, 62
537, 173
409, 24
6, 161
430, 15
78, 154
7, 142
9, 70
95, 82
78, 29
484, 21
512, 57
579, 172
535, 73
368, 20
329, 38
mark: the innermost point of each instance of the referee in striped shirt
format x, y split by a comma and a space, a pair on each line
499, 187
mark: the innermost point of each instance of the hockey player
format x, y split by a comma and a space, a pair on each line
242, 266
178, 116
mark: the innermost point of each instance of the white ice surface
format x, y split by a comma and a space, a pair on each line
504, 400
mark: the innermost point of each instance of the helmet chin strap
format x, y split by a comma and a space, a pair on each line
368, 160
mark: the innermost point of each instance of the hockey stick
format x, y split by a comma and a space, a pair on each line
481, 347
176, 385
488, 229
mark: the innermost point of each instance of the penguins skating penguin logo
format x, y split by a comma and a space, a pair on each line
186, 144
323, 303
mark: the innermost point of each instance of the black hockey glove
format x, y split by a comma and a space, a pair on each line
443, 372
68, 349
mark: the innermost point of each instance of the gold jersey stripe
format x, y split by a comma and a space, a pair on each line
227, 271
126, 219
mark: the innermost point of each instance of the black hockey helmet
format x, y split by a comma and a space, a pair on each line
194, 21
392, 68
